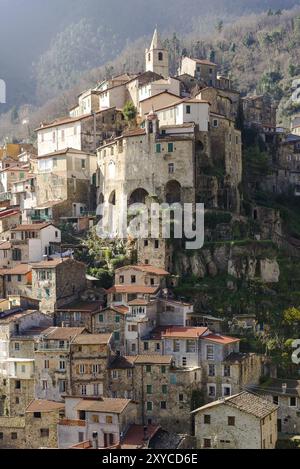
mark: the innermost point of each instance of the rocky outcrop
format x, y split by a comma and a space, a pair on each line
247, 262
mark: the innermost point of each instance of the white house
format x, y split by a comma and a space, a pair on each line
38, 238
185, 111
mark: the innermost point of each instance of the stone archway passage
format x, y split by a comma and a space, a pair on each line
173, 192
138, 196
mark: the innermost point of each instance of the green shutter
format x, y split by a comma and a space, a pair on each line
158, 148
170, 147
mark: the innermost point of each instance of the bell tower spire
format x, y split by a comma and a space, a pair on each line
157, 57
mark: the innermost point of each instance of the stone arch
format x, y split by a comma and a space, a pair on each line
112, 198
160, 56
173, 192
138, 196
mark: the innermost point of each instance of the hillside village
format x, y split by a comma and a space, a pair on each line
150, 360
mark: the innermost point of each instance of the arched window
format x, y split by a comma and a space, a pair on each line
160, 56
111, 170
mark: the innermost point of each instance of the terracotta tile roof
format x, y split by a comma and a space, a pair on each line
51, 264
134, 132
121, 309
159, 94
92, 339
120, 363
65, 151
39, 405
154, 359
15, 315
203, 61
62, 333
107, 405
133, 289
20, 269
221, 339
83, 307
245, 402
8, 213
136, 434
185, 332
32, 227
67, 120
150, 269
139, 302
185, 100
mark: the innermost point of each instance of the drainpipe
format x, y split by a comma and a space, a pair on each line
95, 131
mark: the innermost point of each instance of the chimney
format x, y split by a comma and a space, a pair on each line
95, 440
284, 388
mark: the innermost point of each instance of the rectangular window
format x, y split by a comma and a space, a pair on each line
163, 370
210, 352
146, 346
18, 385
226, 371
184, 361
101, 318
117, 336
148, 369
62, 385
44, 385
117, 319
115, 374
176, 346
44, 432
211, 391
293, 402
133, 279
17, 346
37, 415
83, 390
14, 436
149, 406
95, 418
231, 421
207, 443
149, 389
46, 365
191, 346
211, 370
62, 365
181, 397
1, 435
82, 369
188, 109
207, 419
170, 147
164, 389
215, 123
226, 391
171, 168
158, 148
121, 279
275, 400
163, 405
83, 164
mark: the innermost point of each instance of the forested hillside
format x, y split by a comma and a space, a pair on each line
259, 51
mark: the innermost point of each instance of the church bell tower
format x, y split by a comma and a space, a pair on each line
157, 58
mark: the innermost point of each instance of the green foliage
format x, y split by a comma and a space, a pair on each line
292, 316
130, 111
212, 219
256, 163
106, 277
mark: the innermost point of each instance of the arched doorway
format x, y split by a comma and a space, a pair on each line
138, 196
112, 198
173, 192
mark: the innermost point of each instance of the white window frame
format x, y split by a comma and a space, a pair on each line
212, 385
223, 388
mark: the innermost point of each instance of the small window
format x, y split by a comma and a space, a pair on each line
181, 397
163, 370
37, 415
46, 364
18, 385
171, 168
146, 346
160, 56
211, 370
293, 401
164, 389
133, 279
184, 361
170, 147
163, 405
215, 123
117, 336
149, 389
146, 243
1, 435
121, 279
226, 371
44, 432
158, 148
117, 319
95, 418
149, 406
101, 318
188, 109
207, 419
17, 346
207, 443
148, 369
275, 400
231, 421
156, 244
14, 436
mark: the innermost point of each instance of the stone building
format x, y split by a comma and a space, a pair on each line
17, 280
157, 58
41, 421
53, 362
243, 421
19, 329
89, 357
57, 282
78, 314
285, 393
112, 320
202, 69
259, 111
104, 420
12, 433
164, 393
65, 178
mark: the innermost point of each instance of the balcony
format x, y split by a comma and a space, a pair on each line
41, 218
53, 348
72, 423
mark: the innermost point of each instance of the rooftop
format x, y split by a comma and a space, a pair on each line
184, 332
245, 402
84, 307
92, 339
20, 269
39, 405
62, 333
142, 289
149, 269
135, 437
221, 339
106, 405
32, 227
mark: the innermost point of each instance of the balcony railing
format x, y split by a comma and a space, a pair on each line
56, 348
